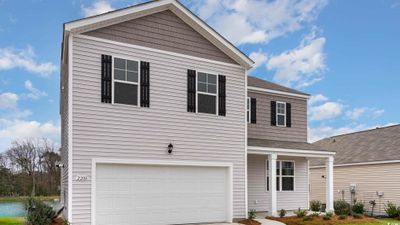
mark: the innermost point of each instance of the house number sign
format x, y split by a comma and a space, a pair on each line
81, 178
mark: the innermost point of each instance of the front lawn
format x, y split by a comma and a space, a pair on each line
335, 220
12, 221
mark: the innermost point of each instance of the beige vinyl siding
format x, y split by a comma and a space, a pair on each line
263, 129
259, 198
165, 31
368, 178
106, 131
64, 135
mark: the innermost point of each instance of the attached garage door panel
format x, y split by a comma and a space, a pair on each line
138, 194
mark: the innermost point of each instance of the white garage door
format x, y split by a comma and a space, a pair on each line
144, 194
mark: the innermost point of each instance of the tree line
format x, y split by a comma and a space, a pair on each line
29, 167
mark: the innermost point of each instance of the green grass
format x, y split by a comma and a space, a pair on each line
380, 222
23, 198
12, 221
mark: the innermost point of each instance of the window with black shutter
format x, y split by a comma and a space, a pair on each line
288, 115
126, 81
273, 113
206, 93
221, 95
191, 91
281, 114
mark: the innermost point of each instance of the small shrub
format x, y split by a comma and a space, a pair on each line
392, 210
330, 214
38, 212
315, 214
325, 217
315, 205
282, 213
308, 218
252, 214
300, 213
341, 207
357, 216
342, 217
358, 208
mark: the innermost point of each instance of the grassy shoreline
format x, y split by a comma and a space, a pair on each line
12, 220
23, 198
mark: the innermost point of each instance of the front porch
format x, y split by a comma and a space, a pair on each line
278, 175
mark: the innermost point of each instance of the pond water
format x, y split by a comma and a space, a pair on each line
16, 209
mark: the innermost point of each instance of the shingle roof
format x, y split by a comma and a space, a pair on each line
282, 144
260, 83
379, 144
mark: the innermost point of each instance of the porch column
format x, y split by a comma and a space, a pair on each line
272, 179
329, 183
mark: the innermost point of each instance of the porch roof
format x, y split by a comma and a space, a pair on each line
286, 148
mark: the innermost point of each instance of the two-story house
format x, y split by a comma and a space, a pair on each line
161, 125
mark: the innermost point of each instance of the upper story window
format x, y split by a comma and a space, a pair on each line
206, 93
248, 110
125, 81
281, 114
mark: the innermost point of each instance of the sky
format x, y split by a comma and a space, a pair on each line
344, 53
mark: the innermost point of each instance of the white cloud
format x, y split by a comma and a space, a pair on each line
302, 66
356, 113
8, 100
24, 59
34, 93
254, 21
259, 58
328, 110
98, 7
318, 133
18, 129
317, 99
377, 113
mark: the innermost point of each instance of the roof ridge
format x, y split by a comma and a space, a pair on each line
360, 131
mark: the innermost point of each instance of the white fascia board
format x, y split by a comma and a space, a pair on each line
251, 88
359, 164
192, 20
289, 152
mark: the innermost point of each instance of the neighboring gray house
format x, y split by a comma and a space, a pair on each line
160, 124
367, 162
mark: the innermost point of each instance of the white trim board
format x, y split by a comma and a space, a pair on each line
95, 161
177, 8
265, 90
359, 164
70, 165
291, 152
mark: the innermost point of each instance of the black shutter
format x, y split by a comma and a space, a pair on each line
288, 115
221, 95
273, 113
253, 103
106, 63
144, 84
191, 91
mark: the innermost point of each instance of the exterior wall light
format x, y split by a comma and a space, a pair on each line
170, 148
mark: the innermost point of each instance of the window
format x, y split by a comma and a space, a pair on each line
248, 110
125, 81
281, 114
206, 93
284, 175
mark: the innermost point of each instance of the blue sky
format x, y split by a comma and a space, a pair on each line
345, 53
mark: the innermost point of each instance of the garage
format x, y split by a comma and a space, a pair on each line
161, 194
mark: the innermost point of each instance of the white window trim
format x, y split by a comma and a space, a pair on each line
248, 109
125, 82
281, 114
206, 93
280, 175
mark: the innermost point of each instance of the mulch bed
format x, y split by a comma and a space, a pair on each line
58, 221
249, 222
319, 221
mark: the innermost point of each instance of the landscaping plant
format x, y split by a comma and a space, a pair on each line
252, 214
315, 205
38, 213
308, 218
282, 213
300, 212
341, 207
342, 217
358, 207
392, 210
357, 216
